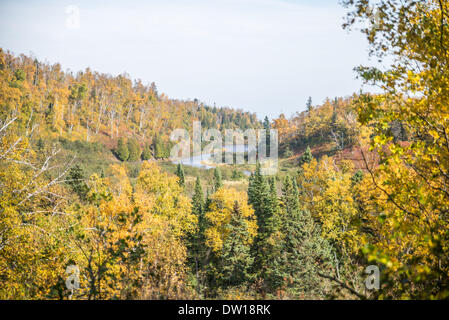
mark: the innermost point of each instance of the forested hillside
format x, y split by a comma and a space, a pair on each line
89, 106
87, 198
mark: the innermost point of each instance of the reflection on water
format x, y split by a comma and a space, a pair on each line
203, 161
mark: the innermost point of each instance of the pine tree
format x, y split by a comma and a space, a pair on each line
288, 152
304, 254
146, 153
218, 183
309, 104
122, 149
159, 148
263, 198
267, 127
76, 179
134, 150
258, 194
235, 261
198, 199
306, 157
357, 177
196, 243
180, 174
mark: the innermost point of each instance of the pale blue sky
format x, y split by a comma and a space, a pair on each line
265, 56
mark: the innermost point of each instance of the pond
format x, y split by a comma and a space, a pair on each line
204, 161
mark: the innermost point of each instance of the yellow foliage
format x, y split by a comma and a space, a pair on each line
220, 213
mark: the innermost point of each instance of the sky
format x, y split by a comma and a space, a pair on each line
264, 56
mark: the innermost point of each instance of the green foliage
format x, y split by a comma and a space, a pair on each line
218, 183
146, 153
303, 253
237, 175
309, 104
161, 149
180, 174
76, 179
288, 153
306, 157
133, 150
262, 196
235, 262
122, 150
357, 177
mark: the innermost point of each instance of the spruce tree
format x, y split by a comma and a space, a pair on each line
196, 243
304, 253
134, 150
159, 148
267, 127
76, 179
306, 157
357, 177
309, 105
122, 149
235, 262
263, 198
218, 183
146, 153
198, 199
180, 174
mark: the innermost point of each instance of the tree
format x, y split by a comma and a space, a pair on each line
134, 150
218, 183
76, 179
411, 200
303, 253
122, 149
263, 198
309, 105
198, 204
180, 174
159, 147
33, 233
146, 153
306, 157
219, 215
235, 260
267, 127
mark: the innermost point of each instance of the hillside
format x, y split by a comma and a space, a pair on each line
93, 107
90, 208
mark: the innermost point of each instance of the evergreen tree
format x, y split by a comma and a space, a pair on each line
235, 261
306, 157
133, 149
258, 194
218, 183
304, 254
267, 127
357, 177
146, 153
334, 113
207, 201
76, 179
309, 105
288, 152
122, 149
262, 196
196, 244
159, 148
180, 174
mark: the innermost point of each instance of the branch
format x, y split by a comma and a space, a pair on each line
344, 285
